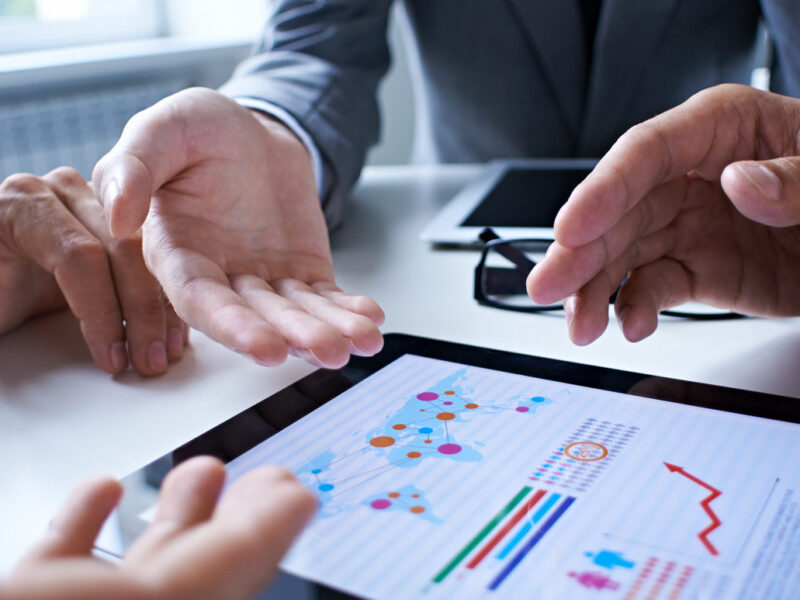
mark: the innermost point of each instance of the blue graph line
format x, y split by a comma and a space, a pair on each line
532, 541
529, 525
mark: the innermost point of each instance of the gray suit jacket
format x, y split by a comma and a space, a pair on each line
505, 78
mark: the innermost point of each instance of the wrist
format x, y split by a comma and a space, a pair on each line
276, 128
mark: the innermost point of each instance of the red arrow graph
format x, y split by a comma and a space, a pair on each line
715, 493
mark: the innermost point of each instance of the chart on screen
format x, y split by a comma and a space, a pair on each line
440, 480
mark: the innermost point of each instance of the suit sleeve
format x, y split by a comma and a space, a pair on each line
783, 23
321, 62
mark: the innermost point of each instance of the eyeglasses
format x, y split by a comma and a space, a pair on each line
504, 267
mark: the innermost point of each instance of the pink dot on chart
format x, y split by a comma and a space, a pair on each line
449, 448
448, 403
427, 396
380, 504
522, 409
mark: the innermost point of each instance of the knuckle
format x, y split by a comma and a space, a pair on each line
148, 309
364, 304
84, 250
129, 248
68, 176
23, 184
357, 326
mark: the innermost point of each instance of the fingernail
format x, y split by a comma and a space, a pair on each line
157, 357
175, 342
309, 356
622, 314
569, 309
119, 358
110, 193
762, 178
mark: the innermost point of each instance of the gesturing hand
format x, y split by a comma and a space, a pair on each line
700, 203
195, 548
233, 229
56, 250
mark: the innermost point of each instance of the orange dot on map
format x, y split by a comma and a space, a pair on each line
421, 410
471, 405
415, 495
394, 494
428, 442
449, 392
382, 441
417, 509
399, 426
445, 416
414, 454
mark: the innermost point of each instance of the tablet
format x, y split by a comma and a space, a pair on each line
516, 198
449, 471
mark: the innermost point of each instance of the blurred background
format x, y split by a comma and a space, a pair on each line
73, 71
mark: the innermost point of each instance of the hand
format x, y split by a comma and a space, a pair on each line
701, 203
195, 548
56, 251
235, 232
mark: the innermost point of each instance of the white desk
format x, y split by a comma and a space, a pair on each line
62, 420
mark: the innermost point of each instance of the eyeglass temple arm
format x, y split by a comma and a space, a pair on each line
508, 251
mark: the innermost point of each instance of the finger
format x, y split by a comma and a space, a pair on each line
587, 309
45, 231
201, 295
188, 497
177, 334
649, 290
307, 336
767, 192
564, 270
361, 305
701, 134
143, 306
237, 552
141, 300
151, 151
73, 530
361, 333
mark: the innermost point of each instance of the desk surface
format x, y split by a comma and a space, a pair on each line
62, 420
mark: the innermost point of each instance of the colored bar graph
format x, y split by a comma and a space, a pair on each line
526, 529
526, 508
529, 545
474, 542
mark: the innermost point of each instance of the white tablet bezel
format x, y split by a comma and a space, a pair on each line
446, 227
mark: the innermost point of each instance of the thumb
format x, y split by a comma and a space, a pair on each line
73, 530
149, 153
767, 192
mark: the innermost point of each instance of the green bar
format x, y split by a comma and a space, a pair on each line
483, 533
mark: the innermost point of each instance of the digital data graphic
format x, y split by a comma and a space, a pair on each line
424, 427
535, 511
584, 455
705, 504
437, 480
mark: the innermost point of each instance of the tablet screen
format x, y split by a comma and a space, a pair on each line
438, 479
525, 198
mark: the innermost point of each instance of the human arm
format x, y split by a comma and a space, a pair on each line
321, 62
701, 203
196, 547
233, 229
56, 251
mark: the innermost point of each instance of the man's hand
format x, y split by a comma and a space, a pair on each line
234, 229
55, 250
701, 203
195, 548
